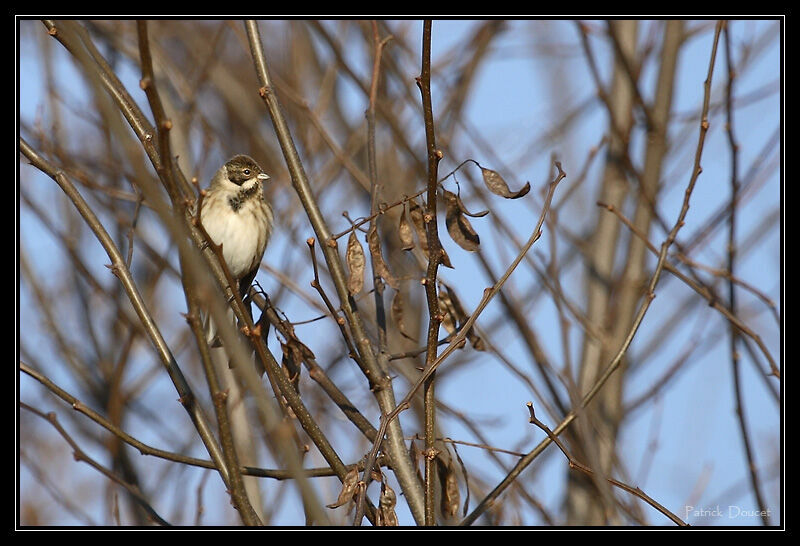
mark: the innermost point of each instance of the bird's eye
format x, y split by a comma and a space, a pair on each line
247, 172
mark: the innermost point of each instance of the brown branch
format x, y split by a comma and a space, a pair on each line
81, 456
163, 123
701, 288
166, 174
119, 269
588, 471
401, 461
316, 372
383, 209
434, 259
146, 449
734, 333
473, 444
375, 195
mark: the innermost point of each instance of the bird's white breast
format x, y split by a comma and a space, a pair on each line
243, 233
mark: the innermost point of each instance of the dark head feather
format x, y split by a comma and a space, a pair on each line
242, 168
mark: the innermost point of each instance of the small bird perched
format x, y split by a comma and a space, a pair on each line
236, 215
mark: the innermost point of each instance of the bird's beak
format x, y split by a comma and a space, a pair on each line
263, 176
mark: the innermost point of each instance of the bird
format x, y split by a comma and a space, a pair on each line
236, 215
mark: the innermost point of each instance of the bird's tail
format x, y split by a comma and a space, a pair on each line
214, 341
210, 327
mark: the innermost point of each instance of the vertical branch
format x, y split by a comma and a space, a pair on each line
166, 174
634, 274
734, 332
434, 259
401, 460
163, 123
220, 398
376, 186
375, 193
619, 102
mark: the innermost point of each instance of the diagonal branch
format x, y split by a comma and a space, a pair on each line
586, 470
80, 455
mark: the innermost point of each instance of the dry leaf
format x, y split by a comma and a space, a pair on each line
466, 477
415, 212
458, 226
455, 303
498, 186
355, 264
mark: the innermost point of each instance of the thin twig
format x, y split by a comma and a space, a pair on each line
701, 288
375, 195
588, 471
734, 333
80, 455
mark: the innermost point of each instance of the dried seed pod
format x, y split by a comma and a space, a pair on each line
451, 497
453, 303
447, 312
418, 219
415, 212
291, 362
404, 231
355, 264
380, 266
466, 477
397, 315
459, 228
461, 316
348, 489
463, 208
386, 516
498, 186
